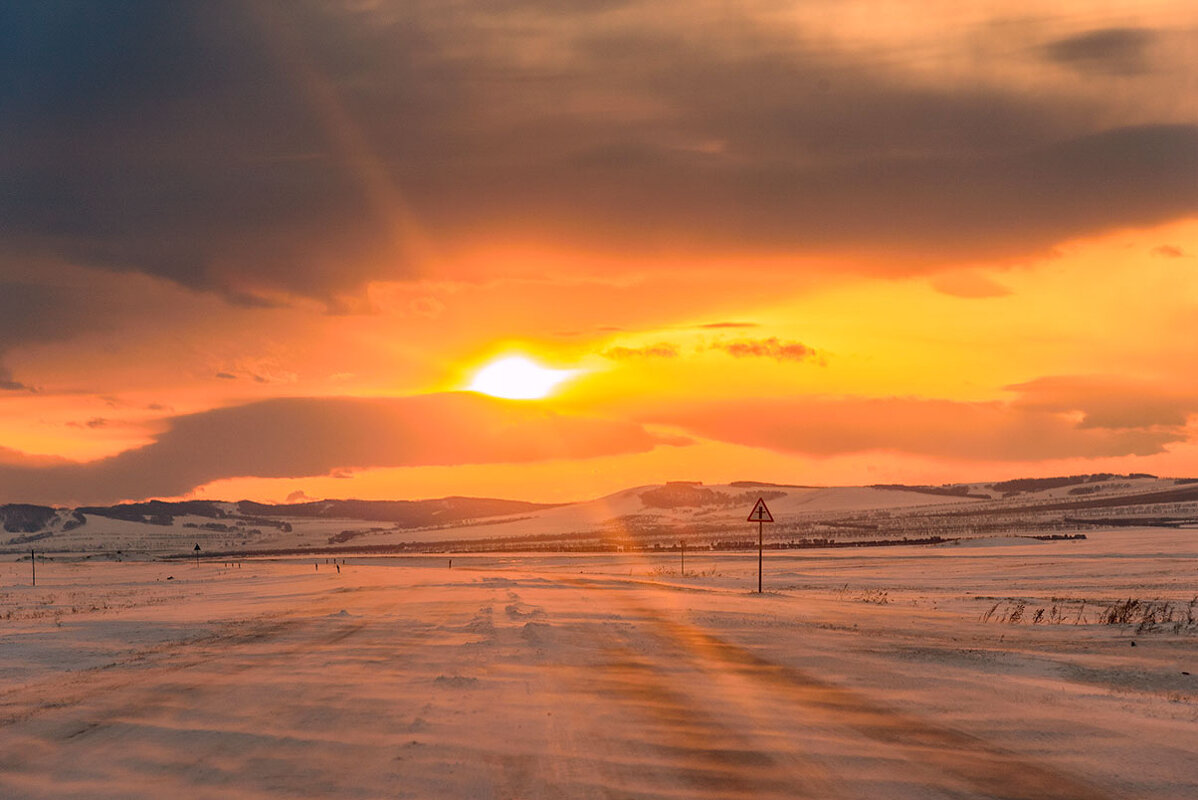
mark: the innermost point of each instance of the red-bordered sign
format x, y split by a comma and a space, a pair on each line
760, 513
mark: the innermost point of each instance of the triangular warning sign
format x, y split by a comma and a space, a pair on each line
760, 513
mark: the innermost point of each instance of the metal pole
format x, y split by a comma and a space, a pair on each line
684, 558
759, 540
33, 565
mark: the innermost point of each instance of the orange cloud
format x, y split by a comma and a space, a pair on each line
984, 431
767, 348
299, 437
659, 350
1109, 402
968, 285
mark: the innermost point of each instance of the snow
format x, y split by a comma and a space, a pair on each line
858, 674
104, 535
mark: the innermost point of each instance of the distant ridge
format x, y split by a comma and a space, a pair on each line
407, 513
960, 490
650, 517
767, 485
402, 513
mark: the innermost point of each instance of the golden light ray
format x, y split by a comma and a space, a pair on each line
411, 243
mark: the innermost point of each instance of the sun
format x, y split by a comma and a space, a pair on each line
518, 378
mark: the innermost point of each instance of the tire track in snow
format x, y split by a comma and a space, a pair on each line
692, 747
651, 727
988, 770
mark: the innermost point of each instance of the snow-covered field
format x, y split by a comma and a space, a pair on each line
899, 672
685, 508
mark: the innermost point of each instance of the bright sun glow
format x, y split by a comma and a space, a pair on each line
518, 378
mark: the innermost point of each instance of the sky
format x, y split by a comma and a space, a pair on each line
262, 249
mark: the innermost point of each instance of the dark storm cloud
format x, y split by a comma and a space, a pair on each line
1118, 51
169, 138
942, 208
7, 384
32, 313
299, 437
304, 148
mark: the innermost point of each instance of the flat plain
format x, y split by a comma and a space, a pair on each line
988, 669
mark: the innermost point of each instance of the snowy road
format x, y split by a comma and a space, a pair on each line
482, 682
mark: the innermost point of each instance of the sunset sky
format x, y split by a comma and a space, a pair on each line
261, 250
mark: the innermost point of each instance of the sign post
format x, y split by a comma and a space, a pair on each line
197, 552
683, 543
760, 514
33, 565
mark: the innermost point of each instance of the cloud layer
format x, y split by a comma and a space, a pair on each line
298, 437
1118, 51
771, 347
986, 431
715, 198
262, 150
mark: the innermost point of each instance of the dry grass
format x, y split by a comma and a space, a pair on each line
1146, 615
